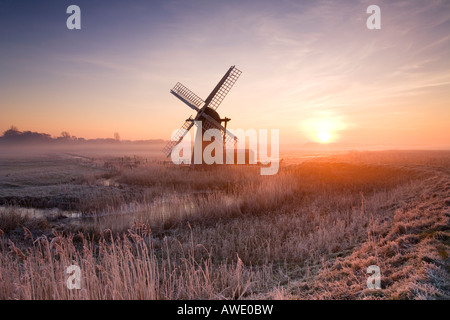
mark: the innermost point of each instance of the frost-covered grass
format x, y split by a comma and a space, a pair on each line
225, 233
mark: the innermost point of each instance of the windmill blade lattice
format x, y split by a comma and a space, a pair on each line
223, 88
188, 95
178, 136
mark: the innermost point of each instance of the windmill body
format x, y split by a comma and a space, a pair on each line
206, 112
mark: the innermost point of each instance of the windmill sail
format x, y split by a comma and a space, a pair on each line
216, 97
187, 96
178, 136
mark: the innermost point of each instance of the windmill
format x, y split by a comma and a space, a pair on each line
206, 111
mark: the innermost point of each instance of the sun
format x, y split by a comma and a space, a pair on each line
324, 128
324, 136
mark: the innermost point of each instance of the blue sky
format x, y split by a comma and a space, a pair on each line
307, 66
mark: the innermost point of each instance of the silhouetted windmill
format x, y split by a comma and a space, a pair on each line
206, 110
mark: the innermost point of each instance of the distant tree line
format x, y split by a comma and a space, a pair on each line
14, 136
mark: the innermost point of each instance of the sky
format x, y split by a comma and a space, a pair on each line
311, 69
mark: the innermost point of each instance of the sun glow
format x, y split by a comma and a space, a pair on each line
324, 127
324, 136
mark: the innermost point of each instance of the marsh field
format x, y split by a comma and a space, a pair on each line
141, 229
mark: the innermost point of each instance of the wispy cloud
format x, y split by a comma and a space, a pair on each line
300, 59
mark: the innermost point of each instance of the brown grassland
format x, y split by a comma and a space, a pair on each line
158, 231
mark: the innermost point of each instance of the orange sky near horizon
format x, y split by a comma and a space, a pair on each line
310, 69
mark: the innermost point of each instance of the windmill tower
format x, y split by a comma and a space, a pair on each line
206, 112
